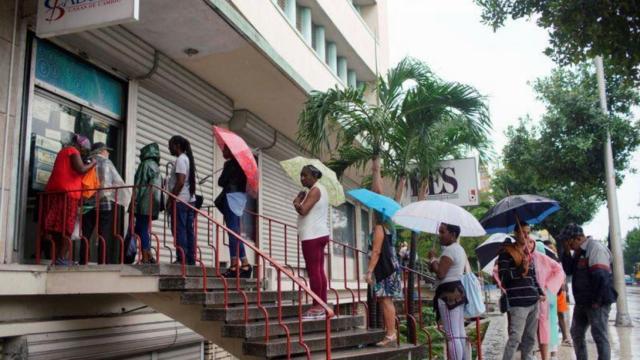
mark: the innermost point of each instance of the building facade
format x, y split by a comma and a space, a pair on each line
183, 67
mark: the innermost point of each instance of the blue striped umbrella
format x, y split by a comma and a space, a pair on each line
532, 209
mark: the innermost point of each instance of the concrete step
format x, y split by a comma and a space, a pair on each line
166, 270
257, 329
372, 352
195, 283
216, 298
315, 342
236, 314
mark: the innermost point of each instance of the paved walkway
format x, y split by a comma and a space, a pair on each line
625, 342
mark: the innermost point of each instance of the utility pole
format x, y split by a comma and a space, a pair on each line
615, 238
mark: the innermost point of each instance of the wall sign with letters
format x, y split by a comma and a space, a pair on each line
456, 182
58, 17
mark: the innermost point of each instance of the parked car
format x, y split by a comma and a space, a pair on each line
628, 280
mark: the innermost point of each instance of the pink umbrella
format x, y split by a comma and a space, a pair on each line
242, 153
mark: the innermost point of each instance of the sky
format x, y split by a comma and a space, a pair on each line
449, 37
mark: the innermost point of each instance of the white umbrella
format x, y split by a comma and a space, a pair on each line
427, 215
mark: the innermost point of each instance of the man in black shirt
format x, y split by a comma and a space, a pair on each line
518, 277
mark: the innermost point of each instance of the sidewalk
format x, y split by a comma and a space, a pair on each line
625, 342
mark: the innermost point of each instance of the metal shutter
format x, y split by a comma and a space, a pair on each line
157, 120
109, 342
276, 195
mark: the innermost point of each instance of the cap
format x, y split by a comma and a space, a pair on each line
571, 231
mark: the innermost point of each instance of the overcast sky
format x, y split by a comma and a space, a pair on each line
448, 35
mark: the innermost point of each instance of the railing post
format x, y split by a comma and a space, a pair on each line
411, 329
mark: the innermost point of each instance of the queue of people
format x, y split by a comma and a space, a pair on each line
532, 280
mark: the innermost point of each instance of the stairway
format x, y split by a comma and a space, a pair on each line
183, 299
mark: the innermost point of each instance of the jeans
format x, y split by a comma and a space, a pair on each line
313, 252
142, 230
583, 316
105, 229
523, 329
184, 235
236, 247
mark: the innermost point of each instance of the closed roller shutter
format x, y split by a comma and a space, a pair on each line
158, 119
115, 342
278, 191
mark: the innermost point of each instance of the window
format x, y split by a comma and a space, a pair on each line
343, 228
364, 236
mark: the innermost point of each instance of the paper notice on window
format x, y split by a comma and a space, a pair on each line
67, 122
48, 144
52, 134
99, 136
45, 157
41, 110
42, 177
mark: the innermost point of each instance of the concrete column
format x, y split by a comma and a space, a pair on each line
342, 68
306, 27
352, 79
332, 56
319, 41
290, 11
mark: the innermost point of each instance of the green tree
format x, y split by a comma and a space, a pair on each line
342, 123
562, 157
579, 30
417, 120
631, 250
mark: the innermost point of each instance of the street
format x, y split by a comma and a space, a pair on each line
623, 340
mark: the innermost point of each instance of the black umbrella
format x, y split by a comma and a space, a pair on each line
488, 250
532, 209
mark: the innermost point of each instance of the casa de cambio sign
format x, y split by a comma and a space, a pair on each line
58, 17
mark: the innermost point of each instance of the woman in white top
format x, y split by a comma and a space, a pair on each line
313, 212
449, 297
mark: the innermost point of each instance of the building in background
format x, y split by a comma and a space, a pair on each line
182, 67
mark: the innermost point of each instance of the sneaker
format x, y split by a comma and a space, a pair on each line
314, 314
65, 262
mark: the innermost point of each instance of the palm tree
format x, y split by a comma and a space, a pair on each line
417, 121
342, 123
450, 120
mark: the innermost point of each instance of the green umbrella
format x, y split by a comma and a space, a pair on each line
329, 179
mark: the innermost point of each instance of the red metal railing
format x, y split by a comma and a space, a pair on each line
213, 242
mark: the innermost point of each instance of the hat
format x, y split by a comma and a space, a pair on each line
99, 146
571, 231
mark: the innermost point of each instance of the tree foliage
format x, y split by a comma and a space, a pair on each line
631, 250
563, 156
417, 120
579, 30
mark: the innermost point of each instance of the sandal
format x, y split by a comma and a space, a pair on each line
388, 341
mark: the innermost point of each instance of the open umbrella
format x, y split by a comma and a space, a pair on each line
427, 215
532, 209
242, 153
329, 179
488, 250
382, 204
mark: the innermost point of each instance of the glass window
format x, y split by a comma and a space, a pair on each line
364, 236
344, 227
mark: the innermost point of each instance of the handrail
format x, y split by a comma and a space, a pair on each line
198, 213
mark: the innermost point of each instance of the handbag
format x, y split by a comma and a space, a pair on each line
199, 197
473, 291
384, 268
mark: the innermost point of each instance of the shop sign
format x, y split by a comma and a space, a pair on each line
456, 182
58, 17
